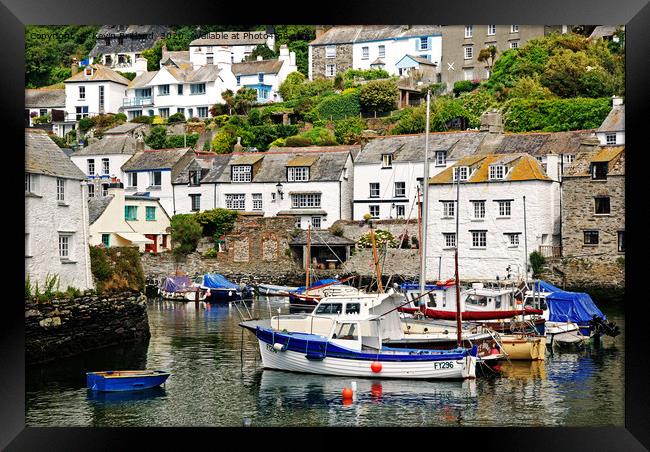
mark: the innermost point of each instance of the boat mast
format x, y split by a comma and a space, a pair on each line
308, 260
376, 259
459, 331
425, 203
419, 225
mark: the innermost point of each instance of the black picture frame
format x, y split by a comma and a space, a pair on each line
635, 14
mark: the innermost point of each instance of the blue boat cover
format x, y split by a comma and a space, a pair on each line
575, 307
176, 284
320, 282
217, 281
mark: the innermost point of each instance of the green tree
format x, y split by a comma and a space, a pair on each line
157, 137
185, 233
379, 95
224, 140
297, 38
290, 88
244, 100
263, 51
348, 130
537, 262
488, 56
216, 222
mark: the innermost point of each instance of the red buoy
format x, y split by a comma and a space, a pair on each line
347, 393
375, 367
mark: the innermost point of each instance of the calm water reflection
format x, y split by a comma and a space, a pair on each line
217, 380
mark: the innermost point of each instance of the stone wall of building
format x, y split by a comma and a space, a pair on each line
397, 262
354, 229
66, 327
591, 265
343, 59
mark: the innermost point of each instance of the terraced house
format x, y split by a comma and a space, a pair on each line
95, 90
311, 184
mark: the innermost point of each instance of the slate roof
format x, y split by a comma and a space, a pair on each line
136, 38
537, 144
109, 145
321, 237
255, 67
127, 127
362, 33
43, 156
603, 31
101, 73
519, 167
97, 206
44, 98
180, 58
160, 159
410, 148
211, 167
421, 60
615, 120
207, 73
613, 155
227, 38
142, 80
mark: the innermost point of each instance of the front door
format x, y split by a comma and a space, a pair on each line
151, 247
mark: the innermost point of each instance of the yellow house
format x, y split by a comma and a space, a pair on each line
128, 220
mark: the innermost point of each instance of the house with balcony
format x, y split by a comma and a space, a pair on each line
311, 184
265, 76
94, 90
151, 172
507, 208
128, 220
45, 106
173, 90
372, 46
56, 216
389, 170
119, 46
236, 46
101, 161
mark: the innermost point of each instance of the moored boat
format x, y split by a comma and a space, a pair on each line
523, 346
270, 290
125, 380
180, 288
220, 289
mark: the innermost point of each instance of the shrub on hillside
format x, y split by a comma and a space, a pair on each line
298, 141
379, 96
555, 115
143, 119
176, 117
185, 233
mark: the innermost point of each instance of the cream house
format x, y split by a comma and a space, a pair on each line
128, 220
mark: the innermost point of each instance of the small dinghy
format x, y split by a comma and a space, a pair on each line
125, 380
180, 288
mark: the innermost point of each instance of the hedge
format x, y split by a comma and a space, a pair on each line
555, 115
336, 107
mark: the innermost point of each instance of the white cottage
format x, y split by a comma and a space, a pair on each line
612, 131
389, 170
312, 184
495, 191
151, 172
120, 46
94, 90
46, 104
56, 216
265, 76
236, 45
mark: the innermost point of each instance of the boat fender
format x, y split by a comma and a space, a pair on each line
279, 347
376, 367
230, 293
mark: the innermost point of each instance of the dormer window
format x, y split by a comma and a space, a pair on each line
387, 160
195, 178
599, 170
241, 173
464, 173
497, 172
441, 158
89, 71
298, 174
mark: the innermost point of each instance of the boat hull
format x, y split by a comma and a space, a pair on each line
297, 362
471, 315
525, 348
116, 382
223, 295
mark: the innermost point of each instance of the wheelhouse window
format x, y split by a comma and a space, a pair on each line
352, 308
479, 239
400, 189
241, 173
236, 201
346, 331
599, 171
305, 200
601, 205
329, 308
449, 239
591, 237
374, 189
298, 173
497, 172
387, 160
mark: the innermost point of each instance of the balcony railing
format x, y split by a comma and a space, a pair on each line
550, 251
136, 101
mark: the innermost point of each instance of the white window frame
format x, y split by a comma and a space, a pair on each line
90, 164
448, 209
106, 167
441, 158
424, 41
60, 189
492, 30
400, 210
381, 51
449, 239
479, 210
65, 246
497, 172
242, 173
468, 52
514, 44
513, 239
469, 31
464, 173
330, 51
298, 174
305, 200
610, 138
479, 239
330, 70
400, 192
514, 28
31, 183
163, 90
387, 160
505, 208
316, 222
202, 112
132, 180
376, 208
195, 201
374, 190
236, 201
257, 201
152, 178
82, 93
365, 53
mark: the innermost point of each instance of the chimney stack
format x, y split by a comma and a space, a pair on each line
74, 67
492, 121
238, 146
139, 144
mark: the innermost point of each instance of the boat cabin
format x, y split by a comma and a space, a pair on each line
359, 335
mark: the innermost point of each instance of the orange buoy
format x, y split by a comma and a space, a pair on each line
375, 367
347, 393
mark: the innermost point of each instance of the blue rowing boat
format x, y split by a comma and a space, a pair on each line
125, 380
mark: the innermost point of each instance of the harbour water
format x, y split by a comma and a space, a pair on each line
217, 380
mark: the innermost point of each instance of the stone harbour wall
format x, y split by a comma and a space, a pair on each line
66, 327
398, 262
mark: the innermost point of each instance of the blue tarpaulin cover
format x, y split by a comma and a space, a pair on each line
320, 282
572, 306
176, 284
217, 281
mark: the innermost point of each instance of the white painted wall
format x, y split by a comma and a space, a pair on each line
620, 138
395, 50
45, 218
113, 95
542, 218
164, 192
115, 162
